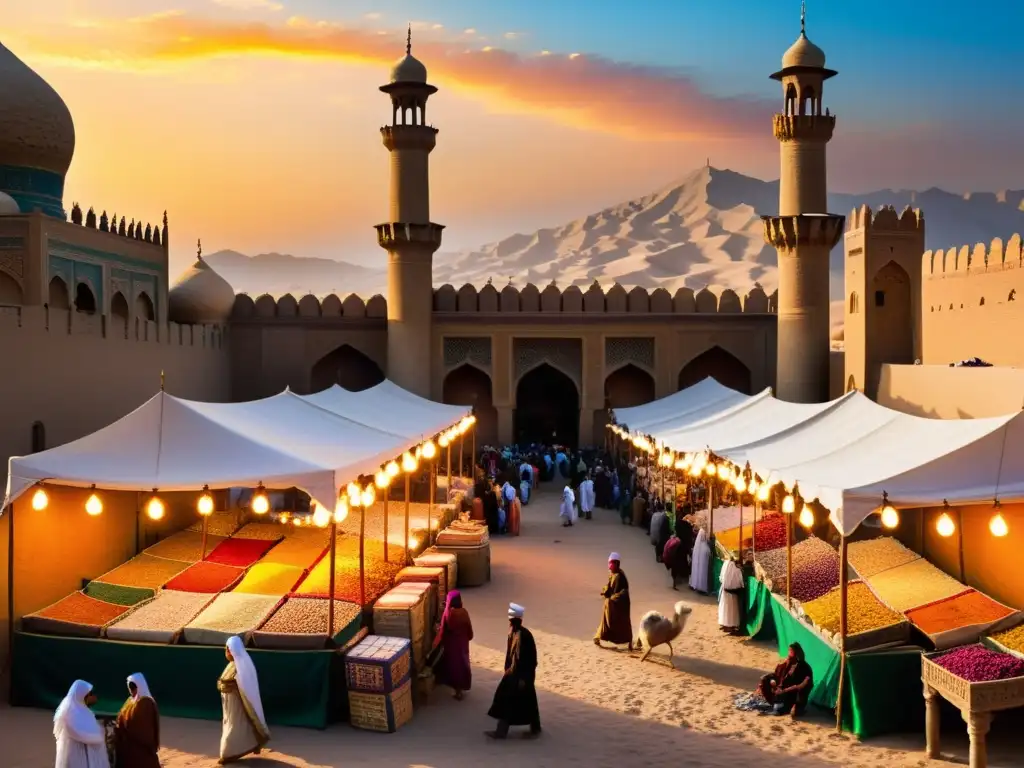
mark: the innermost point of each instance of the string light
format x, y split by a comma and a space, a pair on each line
806, 518
93, 505
321, 516
341, 511
711, 469
409, 462
443, 440
752, 488
997, 525
369, 496
392, 469
40, 500
763, 492
155, 508
945, 525
739, 485
429, 450
260, 503
205, 504
355, 495
382, 479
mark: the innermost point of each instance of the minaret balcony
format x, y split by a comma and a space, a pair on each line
806, 229
409, 137
804, 127
395, 235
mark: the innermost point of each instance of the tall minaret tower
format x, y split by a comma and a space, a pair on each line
409, 237
803, 233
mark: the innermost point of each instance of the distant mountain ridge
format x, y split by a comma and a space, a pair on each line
704, 230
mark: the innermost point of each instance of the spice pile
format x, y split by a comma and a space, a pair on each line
864, 611
914, 584
161, 619
379, 578
205, 577
185, 546
869, 558
221, 524
308, 616
77, 608
229, 614
1011, 638
240, 553
978, 664
967, 609
269, 579
144, 572
815, 568
116, 594
770, 532
298, 551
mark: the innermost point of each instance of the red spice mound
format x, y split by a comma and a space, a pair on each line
206, 578
770, 532
963, 610
78, 608
240, 553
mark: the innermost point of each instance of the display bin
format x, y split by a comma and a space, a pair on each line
474, 563
76, 615
282, 631
403, 613
434, 559
436, 575
381, 712
378, 664
433, 618
988, 696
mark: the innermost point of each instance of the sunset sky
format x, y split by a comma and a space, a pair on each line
255, 122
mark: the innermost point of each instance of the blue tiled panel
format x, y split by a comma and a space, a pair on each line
33, 188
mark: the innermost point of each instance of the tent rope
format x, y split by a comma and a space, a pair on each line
1002, 454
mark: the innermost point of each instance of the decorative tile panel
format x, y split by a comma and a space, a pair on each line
472, 349
564, 354
621, 351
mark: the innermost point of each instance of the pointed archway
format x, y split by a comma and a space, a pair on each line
720, 365
347, 367
891, 319
624, 387
547, 408
10, 290
468, 385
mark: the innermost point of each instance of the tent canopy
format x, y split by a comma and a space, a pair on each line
687, 406
284, 441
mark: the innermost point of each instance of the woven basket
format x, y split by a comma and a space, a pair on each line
403, 613
381, 712
378, 664
474, 563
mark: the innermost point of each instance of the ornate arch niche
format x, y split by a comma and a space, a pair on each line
467, 384
722, 366
347, 367
564, 355
467, 350
622, 351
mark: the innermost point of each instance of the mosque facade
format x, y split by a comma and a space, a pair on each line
91, 325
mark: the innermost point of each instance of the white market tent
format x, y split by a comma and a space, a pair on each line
284, 441
687, 406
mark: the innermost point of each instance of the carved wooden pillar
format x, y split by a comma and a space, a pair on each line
932, 716
978, 724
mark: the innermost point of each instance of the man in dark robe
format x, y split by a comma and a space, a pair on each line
515, 701
789, 687
616, 627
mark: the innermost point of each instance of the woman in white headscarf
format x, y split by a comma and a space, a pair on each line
137, 729
244, 730
81, 742
701, 563
567, 512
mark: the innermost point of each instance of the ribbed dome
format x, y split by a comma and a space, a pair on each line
8, 205
803, 53
200, 296
36, 129
409, 69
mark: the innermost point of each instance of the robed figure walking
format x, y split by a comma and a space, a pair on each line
453, 668
515, 701
137, 729
244, 728
616, 626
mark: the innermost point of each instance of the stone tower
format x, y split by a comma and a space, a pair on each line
803, 233
882, 314
409, 237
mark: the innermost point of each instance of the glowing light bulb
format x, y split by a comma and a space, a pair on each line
205, 504
945, 525
681, 465
764, 492
341, 511
753, 488
369, 496
429, 450
321, 517
392, 469
739, 485
890, 517
997, 525
155, 509
93, 505
354, 495
711, 470
381, 480
260, 503
40, 500
443, 440
409, 463
806, 518
789, 504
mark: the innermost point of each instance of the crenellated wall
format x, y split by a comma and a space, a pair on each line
972, 303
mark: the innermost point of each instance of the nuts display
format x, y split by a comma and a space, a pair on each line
915, 584
308, 615
869, 558
161, 618
964, 610
864, 611
815, 568
221, 524
205, 577
296, 551
978, 664
229, 614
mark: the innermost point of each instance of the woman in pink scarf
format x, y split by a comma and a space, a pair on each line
453, 668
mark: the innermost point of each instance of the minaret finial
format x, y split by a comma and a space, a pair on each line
162, 381
199, 249
803, 19
408, 41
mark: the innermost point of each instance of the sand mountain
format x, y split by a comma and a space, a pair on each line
702, 230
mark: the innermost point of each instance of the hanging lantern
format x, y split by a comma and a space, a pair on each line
392, 469
355, 495
321, 517
93, 505
711, 470
40, 500
155, 508
890, 517
789, 504
341, 511
997, 525
429, 450
260, 503
382, 479
945, 525
443, 440
409, 463
753, 489
205, 504
806, 518
763, 492
369, 496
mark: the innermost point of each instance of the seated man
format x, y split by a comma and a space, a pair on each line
789, 687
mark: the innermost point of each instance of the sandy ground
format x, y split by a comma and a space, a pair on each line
599, 707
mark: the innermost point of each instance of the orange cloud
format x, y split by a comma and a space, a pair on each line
584, 91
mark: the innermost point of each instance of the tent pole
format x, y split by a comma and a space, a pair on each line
430, 504
472, 456
10, 598
206, 519
408, 481
138, 524
330, 603
387, 527
960, 543
741, 529
448, 465
843, 604
462, 456
362, 558
753, 530
789, 561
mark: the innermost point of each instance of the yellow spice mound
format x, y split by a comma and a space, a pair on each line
864, 611
1011, 638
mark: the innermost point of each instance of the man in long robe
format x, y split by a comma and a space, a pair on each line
515, 700
81, 741
137, 729
700, 563
244, 726
660, 531
616, 627
729, 600
587, 497
567, 511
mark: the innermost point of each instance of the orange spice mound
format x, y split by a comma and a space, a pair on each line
963, 610
77, 608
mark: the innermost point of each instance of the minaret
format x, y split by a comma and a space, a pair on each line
409, 237
803, 233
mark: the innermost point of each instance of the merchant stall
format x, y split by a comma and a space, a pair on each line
126, 554
891, 490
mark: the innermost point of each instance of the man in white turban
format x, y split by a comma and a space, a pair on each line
81, 741
515, 700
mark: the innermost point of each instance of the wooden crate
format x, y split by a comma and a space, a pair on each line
971, 697
435, 559
381, 712
474, 563
403, 613
378, 664
433, 617
437, 575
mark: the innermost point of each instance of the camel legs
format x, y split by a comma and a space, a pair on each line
670, 652
646, 654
